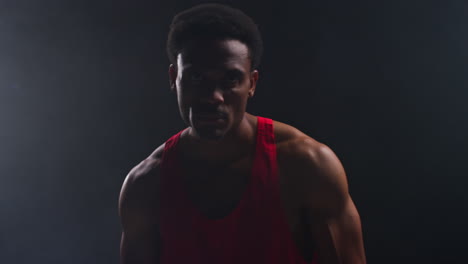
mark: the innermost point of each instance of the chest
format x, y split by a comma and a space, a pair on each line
217, 191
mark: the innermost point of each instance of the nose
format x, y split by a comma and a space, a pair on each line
212, 96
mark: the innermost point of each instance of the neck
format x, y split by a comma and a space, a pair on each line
235, 144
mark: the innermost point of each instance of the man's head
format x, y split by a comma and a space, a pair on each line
214, 51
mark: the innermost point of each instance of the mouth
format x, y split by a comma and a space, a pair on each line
211, 118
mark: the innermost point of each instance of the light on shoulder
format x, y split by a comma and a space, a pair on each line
294, 145
140, 185
323, 176
146, 170
143, 172
316, 170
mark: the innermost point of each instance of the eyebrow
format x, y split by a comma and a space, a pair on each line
234, 71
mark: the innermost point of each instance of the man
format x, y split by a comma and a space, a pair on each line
233, 187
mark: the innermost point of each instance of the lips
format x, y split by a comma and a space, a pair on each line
209, 115
211, 118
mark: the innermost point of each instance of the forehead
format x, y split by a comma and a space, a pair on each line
214, 54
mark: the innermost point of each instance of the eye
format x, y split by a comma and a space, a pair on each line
232, 79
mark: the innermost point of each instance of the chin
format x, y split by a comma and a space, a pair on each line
209, 134
210, 131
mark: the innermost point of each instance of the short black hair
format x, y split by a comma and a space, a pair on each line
214, 21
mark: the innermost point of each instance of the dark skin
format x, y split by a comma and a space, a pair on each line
215, 76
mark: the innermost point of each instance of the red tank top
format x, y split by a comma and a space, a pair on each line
255, 232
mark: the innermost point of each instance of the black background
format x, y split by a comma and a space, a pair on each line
84, 96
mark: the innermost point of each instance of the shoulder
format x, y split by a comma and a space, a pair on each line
140, 187
312, 165
291, 142
147, 170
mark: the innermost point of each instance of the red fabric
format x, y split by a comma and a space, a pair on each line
255, 232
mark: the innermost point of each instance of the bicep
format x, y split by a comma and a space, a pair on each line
338, 235
139, 249
333, 217
140, 240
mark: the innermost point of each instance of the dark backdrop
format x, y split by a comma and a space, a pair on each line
84, 97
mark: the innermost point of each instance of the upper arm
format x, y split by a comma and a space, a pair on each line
138, 210
332, 216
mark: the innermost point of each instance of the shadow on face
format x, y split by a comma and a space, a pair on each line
213, 81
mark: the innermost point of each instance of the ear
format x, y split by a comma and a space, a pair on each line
172, 77
253, 83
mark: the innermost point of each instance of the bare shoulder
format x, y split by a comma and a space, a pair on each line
139, 212
290, 140
312, 165
295, 145
295, 149
147, 170
140, 187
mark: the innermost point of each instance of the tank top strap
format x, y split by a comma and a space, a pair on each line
168, 156
265, 134
266, 151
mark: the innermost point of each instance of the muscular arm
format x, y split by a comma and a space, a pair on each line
140, 242
333, 219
